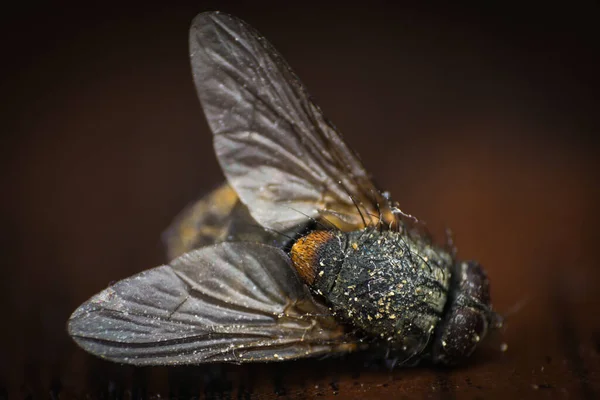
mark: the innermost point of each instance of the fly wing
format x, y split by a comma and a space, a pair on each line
217, 217
230, 302
284, 159
202, 223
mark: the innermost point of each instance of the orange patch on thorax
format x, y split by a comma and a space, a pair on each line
305, 254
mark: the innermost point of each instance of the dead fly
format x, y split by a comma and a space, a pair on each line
298, 254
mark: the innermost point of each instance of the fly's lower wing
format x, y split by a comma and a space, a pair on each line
230, 302
284, 159
202, 223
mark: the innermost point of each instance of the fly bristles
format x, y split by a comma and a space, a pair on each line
305, 254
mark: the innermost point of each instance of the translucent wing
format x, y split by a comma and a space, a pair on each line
202, 223
283, 158
219, 216
231, 302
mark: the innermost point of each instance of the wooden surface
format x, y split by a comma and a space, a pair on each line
482, 121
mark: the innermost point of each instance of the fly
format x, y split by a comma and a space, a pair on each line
297, 254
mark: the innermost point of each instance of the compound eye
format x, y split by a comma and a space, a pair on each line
474, 282
468, 316
460, 335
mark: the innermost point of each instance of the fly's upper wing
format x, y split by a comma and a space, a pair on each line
230, 302
284, 159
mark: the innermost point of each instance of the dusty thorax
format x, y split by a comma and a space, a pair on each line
398, 291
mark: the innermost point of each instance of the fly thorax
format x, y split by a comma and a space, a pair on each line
389, 286
392, 287
318, 257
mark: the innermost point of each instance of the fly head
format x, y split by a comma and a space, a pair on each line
468, 317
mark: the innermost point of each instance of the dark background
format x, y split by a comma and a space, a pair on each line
479, 119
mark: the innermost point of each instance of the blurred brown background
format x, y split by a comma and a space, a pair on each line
483, 120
